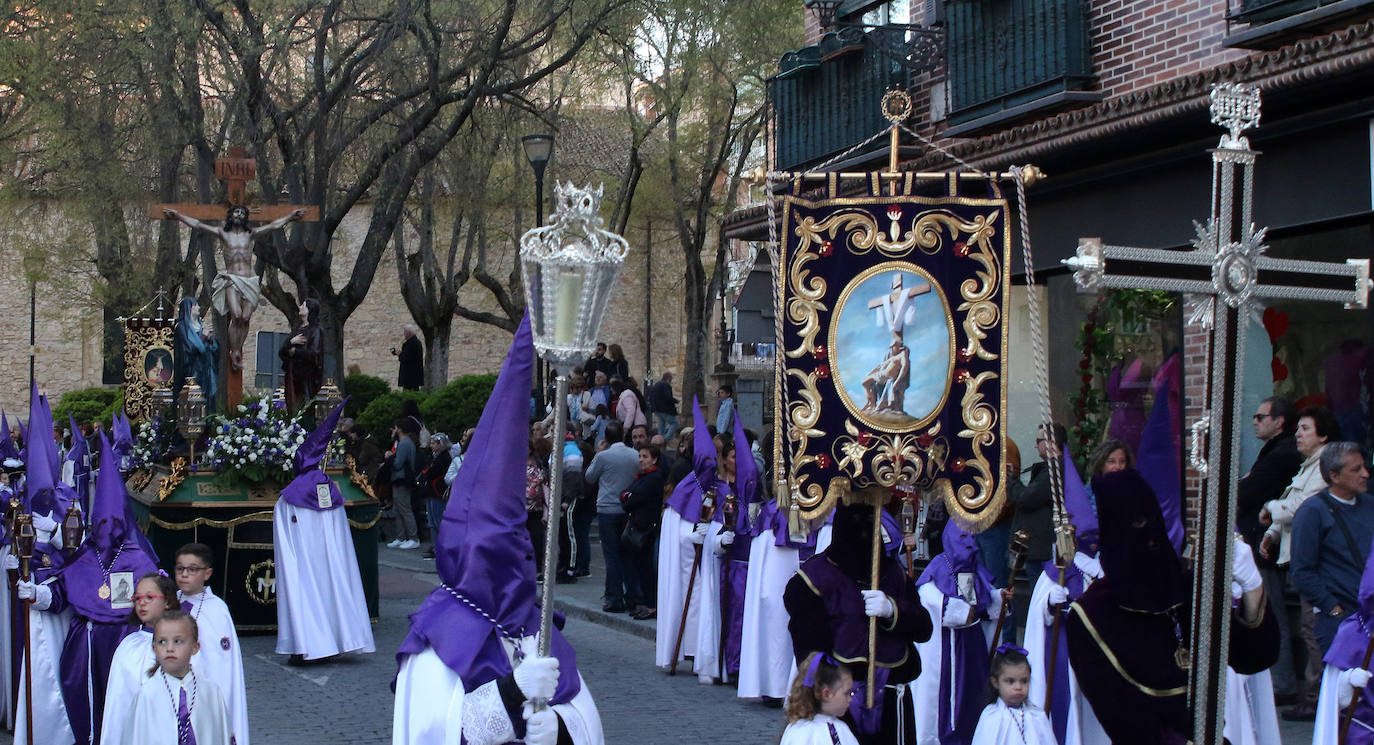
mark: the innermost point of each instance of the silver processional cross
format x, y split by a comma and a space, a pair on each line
1226, 266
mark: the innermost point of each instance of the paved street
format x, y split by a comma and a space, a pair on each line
350, 701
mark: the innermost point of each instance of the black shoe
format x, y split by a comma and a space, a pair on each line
296, 660
613, 608
582, 573
428, 554
563, 579
1301, 713
1285, 699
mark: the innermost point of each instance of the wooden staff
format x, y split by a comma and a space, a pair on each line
1062, 566
1349, 715
708, 505
873, 620
1019, 541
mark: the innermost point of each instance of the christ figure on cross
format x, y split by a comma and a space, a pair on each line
237, 290
885, 386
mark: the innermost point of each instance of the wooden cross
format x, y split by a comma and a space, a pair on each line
895, 297
1227, 265
235, 171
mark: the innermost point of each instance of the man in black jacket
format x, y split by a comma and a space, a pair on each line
412, 361
1034, 502
1278, 462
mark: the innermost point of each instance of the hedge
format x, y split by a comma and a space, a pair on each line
362, 390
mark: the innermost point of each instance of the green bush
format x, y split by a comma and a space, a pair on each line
362, 390
379, 416
458, 405
86, 405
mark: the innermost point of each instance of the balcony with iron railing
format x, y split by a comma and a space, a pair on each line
825, 97
1008, 59
1269, 24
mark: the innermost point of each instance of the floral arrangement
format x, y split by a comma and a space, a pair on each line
255, 446
154, 437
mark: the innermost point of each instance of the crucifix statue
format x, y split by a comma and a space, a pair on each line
1228, 269
236, 288
885, 385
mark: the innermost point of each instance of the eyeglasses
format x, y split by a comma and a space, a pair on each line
1262, 417
190, 570
141, 598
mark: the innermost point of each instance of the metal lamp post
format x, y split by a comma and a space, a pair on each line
570, 268
538, 151
33, 266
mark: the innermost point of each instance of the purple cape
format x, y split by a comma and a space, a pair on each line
960, 555
484, 556
686, 497
7, 448
1352, 636
302, 491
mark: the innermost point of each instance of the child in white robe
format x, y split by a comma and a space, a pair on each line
154, 595
220, 658
1012, 718
819, 697
175, 706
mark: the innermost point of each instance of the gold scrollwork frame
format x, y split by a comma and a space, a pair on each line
899, 458
140, 336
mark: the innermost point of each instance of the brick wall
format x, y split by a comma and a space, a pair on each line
1141, 44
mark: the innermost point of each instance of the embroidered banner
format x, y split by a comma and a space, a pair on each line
894, 342
148, 363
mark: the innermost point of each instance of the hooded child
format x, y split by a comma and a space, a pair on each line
958, 593
678, 539
469, 666
321, 609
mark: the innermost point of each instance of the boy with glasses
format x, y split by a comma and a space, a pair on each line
219, 659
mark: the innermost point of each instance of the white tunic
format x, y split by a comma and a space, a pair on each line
47, 635
153, 716
6, 630
1330, 714
933, 652
220, 658
1083, 727
766, 666
128, 672
676, 556
1251, 718
816, 731
706, 664
321, 610
1000, 725
430, 709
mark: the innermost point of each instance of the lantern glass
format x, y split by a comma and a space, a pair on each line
163, 401
191, 410
326, 399
570, 268
72, 528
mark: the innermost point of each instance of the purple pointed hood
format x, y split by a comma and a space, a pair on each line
123, 436
304, 490
7, 447
686, 497
960, 556
79, 449
1352, 636
1079, 507
110, 520
40, 458
1159, 460
746, 485
484, 556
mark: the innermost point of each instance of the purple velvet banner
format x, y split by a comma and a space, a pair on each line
894, 341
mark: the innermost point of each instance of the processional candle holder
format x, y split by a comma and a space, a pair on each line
73, 530
24, 542
191, 415
570, 267
163, 401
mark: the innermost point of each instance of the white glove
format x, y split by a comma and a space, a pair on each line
698, 536
537, 677
957, 613
40, 595
11, 561
44, 523
1348, 681
1058, 596
877, 604
727, 538
1088, 565
541, 727
1243, 569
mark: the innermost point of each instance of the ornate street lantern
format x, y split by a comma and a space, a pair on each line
570, 267
72, 528
191, 414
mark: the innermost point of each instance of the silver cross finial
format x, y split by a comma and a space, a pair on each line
1236, 107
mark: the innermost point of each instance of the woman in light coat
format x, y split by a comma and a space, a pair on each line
1316, 426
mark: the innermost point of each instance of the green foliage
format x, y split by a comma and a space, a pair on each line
362, 390
88, 404
458, 405
379, 416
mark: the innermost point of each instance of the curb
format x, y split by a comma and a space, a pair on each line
565, 605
